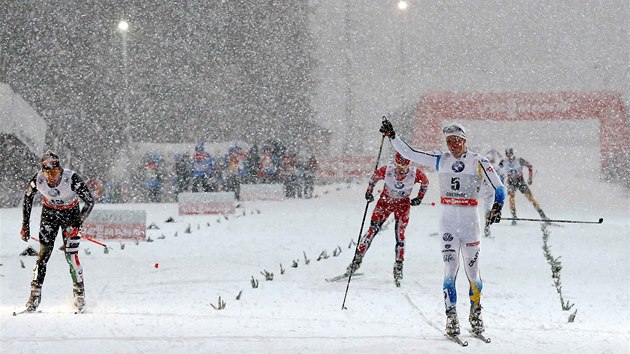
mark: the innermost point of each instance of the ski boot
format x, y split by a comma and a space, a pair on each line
355, 265
34, 299
79, 297
476, 322
398, 272
514, 217
452, 323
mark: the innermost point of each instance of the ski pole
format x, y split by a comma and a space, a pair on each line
601, 220
93, 240
356, 249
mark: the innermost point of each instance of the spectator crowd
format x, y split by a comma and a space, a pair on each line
200, 171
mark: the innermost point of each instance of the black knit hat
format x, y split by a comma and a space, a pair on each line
50, 160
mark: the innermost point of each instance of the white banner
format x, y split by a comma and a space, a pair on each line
116, 224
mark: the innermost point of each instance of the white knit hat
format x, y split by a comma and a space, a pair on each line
454, 129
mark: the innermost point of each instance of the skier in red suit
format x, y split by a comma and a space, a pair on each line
400, 179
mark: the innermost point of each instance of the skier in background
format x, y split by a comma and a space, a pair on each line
515, 180
400, 179
61, 190
252, 165
153, 178
203, 171
310, 171
461, 173
183, 170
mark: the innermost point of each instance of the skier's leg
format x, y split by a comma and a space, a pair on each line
512, 201
471, 249
449, 225
470, 254
528, 194
401, 215
379, 215
47, 233
71, 241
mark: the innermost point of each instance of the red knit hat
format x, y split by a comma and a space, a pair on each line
400, 161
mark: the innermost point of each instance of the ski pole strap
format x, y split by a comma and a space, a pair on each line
601, 220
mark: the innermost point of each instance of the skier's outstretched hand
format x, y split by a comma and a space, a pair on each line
415, 201
369, 197
25, 233
387, 129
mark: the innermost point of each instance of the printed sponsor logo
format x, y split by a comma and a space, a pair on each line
54, 192
458, 201
456, 194
458, 166
472, 244
447, 237
472, 262
399, 185
448, 258
447, 246
490, 169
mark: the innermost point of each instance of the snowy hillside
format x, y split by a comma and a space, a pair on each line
155, 297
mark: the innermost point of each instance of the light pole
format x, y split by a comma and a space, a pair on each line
123, 29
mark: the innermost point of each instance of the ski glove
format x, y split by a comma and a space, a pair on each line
369, 197
495, 214
387, 129
25, 233
529, 181
415, 201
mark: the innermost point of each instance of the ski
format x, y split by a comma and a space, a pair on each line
25, 311
457, 340
481, 337
342, 276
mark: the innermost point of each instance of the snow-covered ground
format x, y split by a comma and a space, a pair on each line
156, 297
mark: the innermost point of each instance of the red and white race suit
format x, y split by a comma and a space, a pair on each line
395, 198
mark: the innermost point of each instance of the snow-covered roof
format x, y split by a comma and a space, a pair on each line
18, 118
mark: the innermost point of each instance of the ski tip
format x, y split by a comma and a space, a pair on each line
14, 313
601, 220
457, 340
